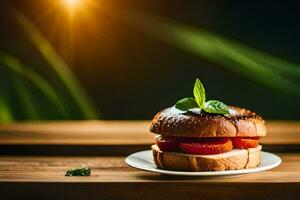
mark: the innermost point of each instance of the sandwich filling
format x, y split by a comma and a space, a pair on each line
205, 146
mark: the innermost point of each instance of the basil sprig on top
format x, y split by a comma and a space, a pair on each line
199, 101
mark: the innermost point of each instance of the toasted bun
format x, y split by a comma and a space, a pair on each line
235, 159
239, 123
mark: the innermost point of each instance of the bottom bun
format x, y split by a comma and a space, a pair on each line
235, 159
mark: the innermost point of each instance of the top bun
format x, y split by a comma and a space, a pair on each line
238, 123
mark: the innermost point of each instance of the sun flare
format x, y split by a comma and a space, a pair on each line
72, 3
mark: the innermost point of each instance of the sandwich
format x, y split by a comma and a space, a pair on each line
200, 135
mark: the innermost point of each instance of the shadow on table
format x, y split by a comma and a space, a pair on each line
162, 177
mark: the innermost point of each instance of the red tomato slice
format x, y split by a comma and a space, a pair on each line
167, 144
245, 143
207, 146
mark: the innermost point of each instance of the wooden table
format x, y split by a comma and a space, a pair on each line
35, 156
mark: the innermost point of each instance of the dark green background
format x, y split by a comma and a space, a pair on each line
132, 76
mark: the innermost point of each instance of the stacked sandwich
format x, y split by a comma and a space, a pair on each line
193, 139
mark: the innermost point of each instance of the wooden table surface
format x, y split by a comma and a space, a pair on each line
35, 156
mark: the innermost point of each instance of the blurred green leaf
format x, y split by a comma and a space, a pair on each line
25, 73
70, 88
261, 67
6, 114
276, 63
26, 100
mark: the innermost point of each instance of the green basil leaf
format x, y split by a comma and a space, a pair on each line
199, 93
215, 107
186, 104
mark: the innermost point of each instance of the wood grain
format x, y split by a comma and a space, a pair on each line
117, 138
114, 169
116, 133
77, 133
43, 177
32, 177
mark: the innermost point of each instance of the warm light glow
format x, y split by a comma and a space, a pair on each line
72, 3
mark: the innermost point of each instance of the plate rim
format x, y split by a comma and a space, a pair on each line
205, 173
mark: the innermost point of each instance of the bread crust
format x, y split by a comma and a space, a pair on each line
236, 159
239, 123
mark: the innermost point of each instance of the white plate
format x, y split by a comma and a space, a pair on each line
143, 160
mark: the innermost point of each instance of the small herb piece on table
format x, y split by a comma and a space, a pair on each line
199, 101
79, 172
